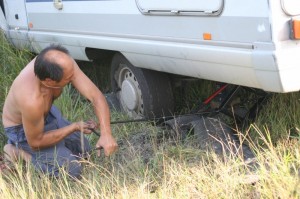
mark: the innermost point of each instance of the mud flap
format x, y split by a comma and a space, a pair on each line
211, 134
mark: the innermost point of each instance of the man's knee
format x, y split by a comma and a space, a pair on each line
58, 167
74, 169
68, 164
57, 161
76, 145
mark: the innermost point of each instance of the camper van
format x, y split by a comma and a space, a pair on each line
252, 43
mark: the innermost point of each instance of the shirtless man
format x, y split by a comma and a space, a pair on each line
36, 130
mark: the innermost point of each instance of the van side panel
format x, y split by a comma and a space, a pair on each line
239, 22
242, 49
171, 44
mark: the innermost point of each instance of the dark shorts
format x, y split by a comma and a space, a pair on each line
64, 154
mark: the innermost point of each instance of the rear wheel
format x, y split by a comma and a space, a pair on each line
141, 92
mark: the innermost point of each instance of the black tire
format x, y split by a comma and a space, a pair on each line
142, 93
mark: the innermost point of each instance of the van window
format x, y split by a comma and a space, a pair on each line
180, 7
291, 7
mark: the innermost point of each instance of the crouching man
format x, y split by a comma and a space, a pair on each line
35, 128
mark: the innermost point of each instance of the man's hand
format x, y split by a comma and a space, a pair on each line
108, 143
85, 127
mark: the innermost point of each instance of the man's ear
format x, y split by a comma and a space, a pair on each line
49, 81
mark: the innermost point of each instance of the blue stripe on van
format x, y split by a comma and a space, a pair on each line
35, 1
38, 0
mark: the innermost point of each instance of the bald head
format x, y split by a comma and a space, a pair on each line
50, 63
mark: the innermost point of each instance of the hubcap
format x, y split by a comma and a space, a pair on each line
130, 95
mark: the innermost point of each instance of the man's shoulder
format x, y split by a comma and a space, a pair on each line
32, 101
27, 98
32, 109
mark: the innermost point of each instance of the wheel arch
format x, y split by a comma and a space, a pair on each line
96, 54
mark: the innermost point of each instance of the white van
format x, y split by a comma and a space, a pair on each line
253, 43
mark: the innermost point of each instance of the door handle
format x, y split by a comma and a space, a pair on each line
58, 4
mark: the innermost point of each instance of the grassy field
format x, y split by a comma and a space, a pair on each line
152, 164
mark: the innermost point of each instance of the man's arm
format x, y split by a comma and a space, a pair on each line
88, 89
33, 124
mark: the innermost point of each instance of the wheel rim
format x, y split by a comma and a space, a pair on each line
130, 95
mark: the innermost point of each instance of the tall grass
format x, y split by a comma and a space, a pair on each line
281, 116
11, 63
152, 164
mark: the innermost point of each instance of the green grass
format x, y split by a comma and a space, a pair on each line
12, 61
151, 164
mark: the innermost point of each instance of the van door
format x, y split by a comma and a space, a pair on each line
3, 23
16, 17
180, 7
